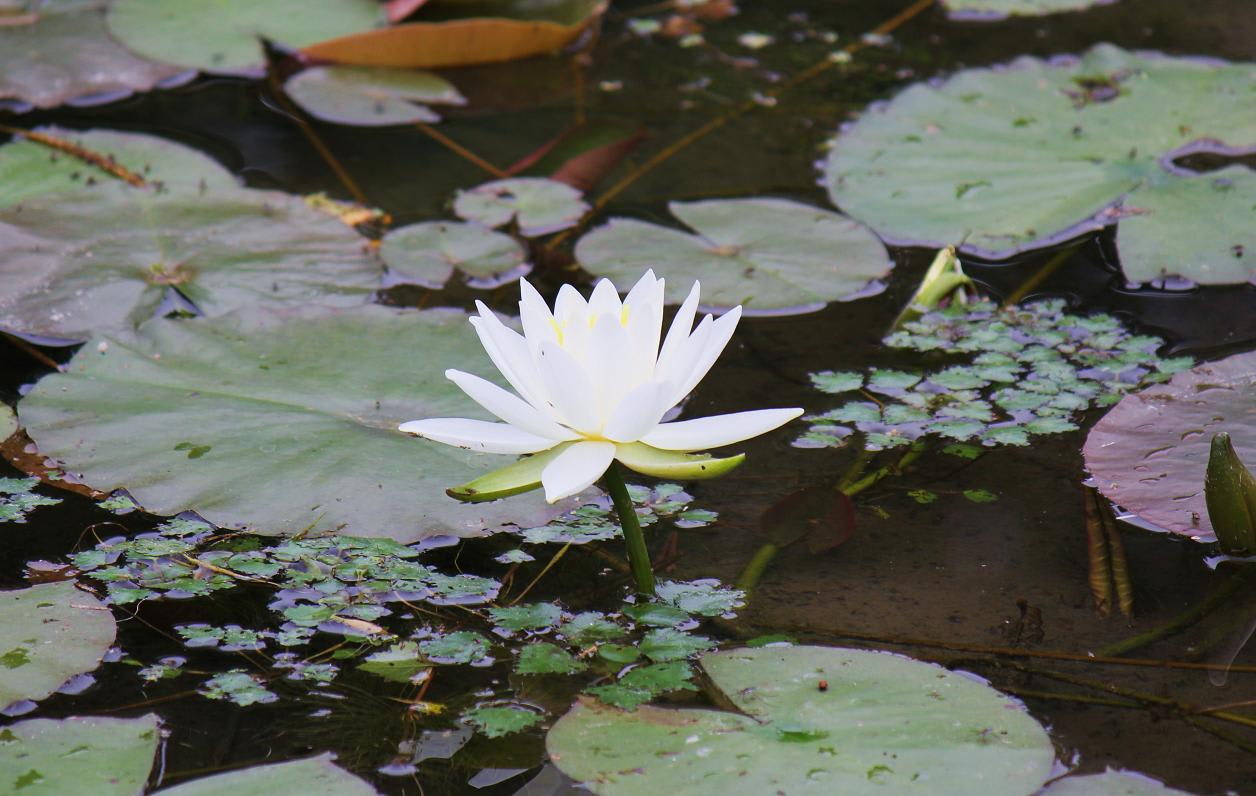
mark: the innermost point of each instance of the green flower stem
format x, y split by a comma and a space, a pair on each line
750, 576
638, 554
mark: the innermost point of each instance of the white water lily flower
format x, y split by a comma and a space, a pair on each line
593, 384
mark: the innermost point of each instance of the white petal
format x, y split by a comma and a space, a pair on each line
538, 321
514, 410
511, 354
681, 326
477, 435
721, 332
570, 306
712, 432
638, 412
643, 311
568, 388
604, 300
605, 362
685, 358
576, 469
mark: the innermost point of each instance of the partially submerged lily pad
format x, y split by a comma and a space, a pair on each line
29, 168
1067, 146
64, 52
276, 422
428, 253
87, 755
771, 255
1002, 9
370, 96
1150, 453
225, 36
881, 724
49, 633
537, 205
1110, 783
314, 776
104, 258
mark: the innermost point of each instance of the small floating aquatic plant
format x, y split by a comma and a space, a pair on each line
593, 386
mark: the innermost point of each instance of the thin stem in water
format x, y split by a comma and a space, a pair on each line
638, 554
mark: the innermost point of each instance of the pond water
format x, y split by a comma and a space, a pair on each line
995, 588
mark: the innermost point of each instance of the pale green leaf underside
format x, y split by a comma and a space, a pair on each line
278, 422
49, 633
315, 776
88, 756
1062, 146
884, 724
770, 255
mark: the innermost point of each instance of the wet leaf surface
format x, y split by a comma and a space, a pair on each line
78, 755
882, 722
428, 254
770, 255
370, 96
315, 776
1110, 783
1149, 454
538, 206
1069, 146
48, 634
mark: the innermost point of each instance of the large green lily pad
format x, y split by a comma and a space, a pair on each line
104, 258
1066, 146
1110, 783
1002, 9
315, 776
29, 169
48, 634
1150, 452
771, 255
224, 36
87, 756
370, 96
429, 252
879, 723
65, 52
278, 422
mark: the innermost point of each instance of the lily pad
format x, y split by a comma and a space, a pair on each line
224, 36
276, 423
1110, 783
539, 206
880, 723
1002, 9
78, 756
48, 634
29, 169
1149, 454
428, 253
772, 255
65, 53
1068, 146
314, 776
104, 258
370, 96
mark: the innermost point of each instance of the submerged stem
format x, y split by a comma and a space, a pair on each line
1220, 595
638, 554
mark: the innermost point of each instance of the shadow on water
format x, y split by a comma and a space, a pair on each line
951, 572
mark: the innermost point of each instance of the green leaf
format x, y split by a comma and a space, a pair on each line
546, 658
224, 36
513, 479
922, 495
655, 614
661, 463
880, 724
980, 495
428, 253
300, 411
831, 382
1106, 124
538, 206
705, 597
767, 254
618, 653
668, 644
237, 686
590, 626
49, 633
532, 616
370, 96
498, 720
644, 683
67, 53
87, 756
314, 776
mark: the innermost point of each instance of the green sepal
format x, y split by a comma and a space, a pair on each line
944, 277
513, 479
1230, 493
673, 464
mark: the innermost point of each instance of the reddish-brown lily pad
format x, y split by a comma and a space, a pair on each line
1149, 453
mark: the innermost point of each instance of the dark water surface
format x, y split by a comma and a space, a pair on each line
950, 572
